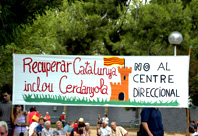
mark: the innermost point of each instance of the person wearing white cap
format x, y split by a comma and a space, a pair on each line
62, 118
47, 117
87, 131
104, 130
118, 130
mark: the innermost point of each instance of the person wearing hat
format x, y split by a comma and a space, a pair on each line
78, 130
62, 118
105, 130
87, 130
40, 126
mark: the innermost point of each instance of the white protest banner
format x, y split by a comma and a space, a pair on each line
128, 81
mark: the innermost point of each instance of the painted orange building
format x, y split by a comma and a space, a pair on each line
120, 91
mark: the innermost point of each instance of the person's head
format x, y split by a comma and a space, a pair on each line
47, 125
99, 115
81, 126
113, 125
41, 121
6, 93
104, 124
18, 107
59, 125
63, 113
71, 123
81, 120
3, 128
47, 113
33, 108
76, 121
105, 115
87, 126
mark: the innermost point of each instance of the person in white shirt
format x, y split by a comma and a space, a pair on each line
105, 118
32, 127
118, 130
104, 130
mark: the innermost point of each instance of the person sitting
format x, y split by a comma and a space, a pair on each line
47, 117
40, 126
76, 123
20, 121
68, 127
105, 130
87, 130
47, 130
117, 130
62, 118
192, 125
3, 128
195, 132
59, 131
78, 131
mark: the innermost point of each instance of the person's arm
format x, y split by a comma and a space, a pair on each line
14, 121
145, 126
75, 134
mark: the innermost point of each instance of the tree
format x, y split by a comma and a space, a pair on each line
16, 12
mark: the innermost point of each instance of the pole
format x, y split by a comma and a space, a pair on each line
188, 122
175, 50
65, 110
12, 116
188, 115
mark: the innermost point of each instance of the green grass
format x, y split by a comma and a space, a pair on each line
85, 101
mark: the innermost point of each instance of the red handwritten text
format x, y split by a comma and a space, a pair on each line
89, 70
45, 67
82, 89
35, 86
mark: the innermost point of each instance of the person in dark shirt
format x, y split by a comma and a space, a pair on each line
40, 126
78, 130
6, 108
62, 118
151, 121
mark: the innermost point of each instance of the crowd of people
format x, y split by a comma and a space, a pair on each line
193, 125
17, 122
22, 123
